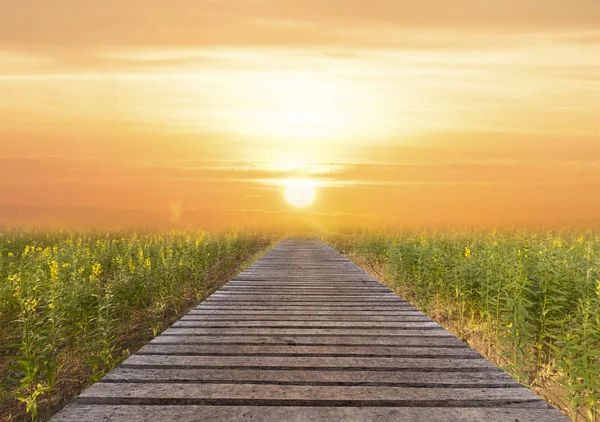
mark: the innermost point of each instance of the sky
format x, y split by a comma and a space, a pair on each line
401, 113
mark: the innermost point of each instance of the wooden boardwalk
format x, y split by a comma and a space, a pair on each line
302, 335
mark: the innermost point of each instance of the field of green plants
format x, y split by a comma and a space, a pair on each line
528, 300
72, 303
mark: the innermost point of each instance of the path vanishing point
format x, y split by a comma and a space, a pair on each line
304, 334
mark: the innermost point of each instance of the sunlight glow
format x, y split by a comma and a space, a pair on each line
300, 192
299, 107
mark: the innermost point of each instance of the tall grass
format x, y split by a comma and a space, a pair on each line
531, 298
71, 303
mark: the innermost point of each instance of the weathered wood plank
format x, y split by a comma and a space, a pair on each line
306, 297
287, 307
397, 332
365, 351
290, 280
374, 340
308, 292
301, 289
306, 324
273, 395
284, 317
452, 364
357, 301
211, 311
316, 288
139, 413
315, 377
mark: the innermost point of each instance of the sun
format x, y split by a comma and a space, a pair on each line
300, 192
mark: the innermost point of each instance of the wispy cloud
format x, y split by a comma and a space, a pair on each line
281, 22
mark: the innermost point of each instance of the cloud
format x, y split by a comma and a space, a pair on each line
277, 22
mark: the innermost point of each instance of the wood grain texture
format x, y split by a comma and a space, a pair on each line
490, 379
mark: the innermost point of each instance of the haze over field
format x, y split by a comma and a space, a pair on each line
399, 112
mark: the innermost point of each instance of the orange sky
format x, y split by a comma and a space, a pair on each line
402, 112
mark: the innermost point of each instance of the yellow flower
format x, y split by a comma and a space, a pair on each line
468, 252
51, 305
53, 270
580, 240
10, 254
148, 263
96, 269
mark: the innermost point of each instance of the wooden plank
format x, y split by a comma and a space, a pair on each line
354, 301
302, 299
452, 364
288, 307
306, 297
176, 348
139, 413
308, 293
284, 317
306, 324
268, 311
273, 395
306, 284
300, 289
315, 377
290, 279
373, 341
430, 332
